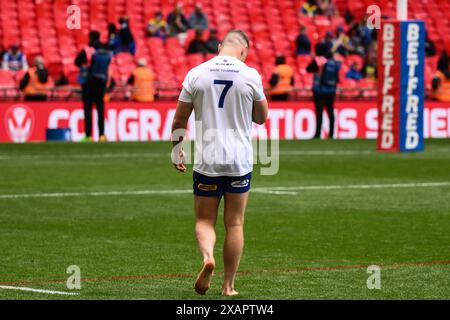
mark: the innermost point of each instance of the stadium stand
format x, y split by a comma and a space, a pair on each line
40, 28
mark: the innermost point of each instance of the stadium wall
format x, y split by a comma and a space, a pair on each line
129, 121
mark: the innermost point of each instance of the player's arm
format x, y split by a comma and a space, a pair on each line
260, 105
179, 125
260, 111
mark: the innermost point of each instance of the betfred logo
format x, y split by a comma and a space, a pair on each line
412, 86
388, 100
19, 123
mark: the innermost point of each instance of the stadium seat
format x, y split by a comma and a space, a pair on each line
6, 78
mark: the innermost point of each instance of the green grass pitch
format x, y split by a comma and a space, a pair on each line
301, 243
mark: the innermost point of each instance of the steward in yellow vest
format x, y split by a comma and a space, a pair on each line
35, 82
142, 81
441, 87
282, 80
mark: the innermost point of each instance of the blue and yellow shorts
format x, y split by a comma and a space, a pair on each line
217, 186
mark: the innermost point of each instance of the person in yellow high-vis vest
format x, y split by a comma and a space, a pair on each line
441, 87
282, 80
35, 82
142, 81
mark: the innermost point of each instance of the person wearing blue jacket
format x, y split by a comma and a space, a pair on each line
325, 81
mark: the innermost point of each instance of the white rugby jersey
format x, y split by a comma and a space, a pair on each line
222, 91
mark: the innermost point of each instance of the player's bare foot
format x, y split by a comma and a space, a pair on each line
229, 292
203, 281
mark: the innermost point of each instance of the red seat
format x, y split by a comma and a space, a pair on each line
6, 78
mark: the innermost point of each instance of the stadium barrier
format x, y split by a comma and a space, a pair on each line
128, 121
169, 92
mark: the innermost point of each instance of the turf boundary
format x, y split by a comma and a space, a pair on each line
241, 273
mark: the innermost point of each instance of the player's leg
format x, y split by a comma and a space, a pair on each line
235, 204
207, 194
206, 209
236, 197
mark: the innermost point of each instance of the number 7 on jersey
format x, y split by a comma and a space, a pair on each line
227, 84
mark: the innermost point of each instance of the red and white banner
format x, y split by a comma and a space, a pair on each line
129, 121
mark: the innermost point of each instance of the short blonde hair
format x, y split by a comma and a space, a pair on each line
241, 37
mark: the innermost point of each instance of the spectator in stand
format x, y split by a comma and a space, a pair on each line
342, 43
177, 21
197, 45
430, 48
348, 17
327, 8
357, 42
212, 44
157, 27
282, 80
443, 64
328, 42
62, 80
126, 41
309, 8
35, 82
142, 80
369, 69
303, 42
113, 40
2, 52
198, 19
354, 73
361, 37
14, 59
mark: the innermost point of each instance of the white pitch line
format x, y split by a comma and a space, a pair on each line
361, 186
271, 190
83, 156
167, 154
325, 152
91, 194
39, 290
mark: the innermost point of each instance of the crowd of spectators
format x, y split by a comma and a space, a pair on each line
177, 24
352, 38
